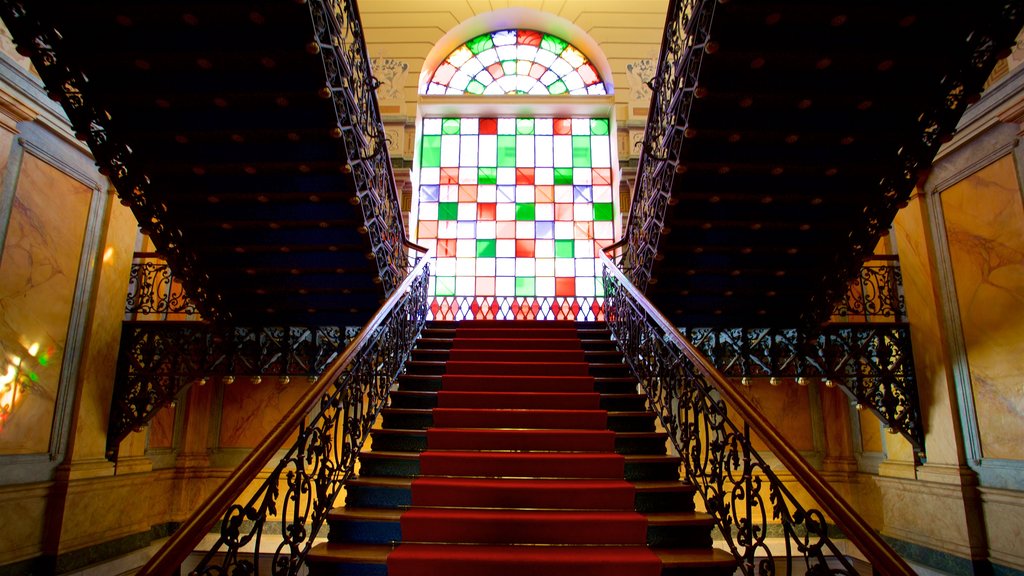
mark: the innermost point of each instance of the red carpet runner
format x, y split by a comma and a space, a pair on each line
520, 476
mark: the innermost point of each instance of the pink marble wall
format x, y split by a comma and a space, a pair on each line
985, 226
161, 429
787, 407
250, 410
37, 282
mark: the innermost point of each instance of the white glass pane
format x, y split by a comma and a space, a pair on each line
563, 151
446, 266
544, 211
428, 211
466, 215
565, 267
505, 286
506, 176
524, 150
525, 193
525, 230
543, 176
506, 53
542, 126
467, 230
431, 126
525, 266
450, 150
465, 266
572, 81
485, 266
545, 286
430, 175
544, 57
545, 266
465, 285
485, 230
505, 266
561, 67
488, 153
488, 57
486, 193
506, 249
600, 153
469, 146
506, 211
506, 125
563, 230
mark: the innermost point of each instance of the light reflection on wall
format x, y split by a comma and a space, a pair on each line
18, 376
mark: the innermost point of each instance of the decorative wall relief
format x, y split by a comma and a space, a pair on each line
638, 74
392, 75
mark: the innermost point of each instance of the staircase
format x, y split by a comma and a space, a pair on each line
518, 448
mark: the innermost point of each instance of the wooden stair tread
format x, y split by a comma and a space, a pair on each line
395, 514
640, 485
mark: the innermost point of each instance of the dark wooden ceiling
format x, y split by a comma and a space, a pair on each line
222, 104
802, 110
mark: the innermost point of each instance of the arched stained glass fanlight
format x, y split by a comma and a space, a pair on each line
516, 62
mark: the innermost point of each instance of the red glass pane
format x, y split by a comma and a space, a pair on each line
584, 230
428, 229
528, 38
536, 71
565, 286
496, 70
444, 73
602, 176
449, 175
524, 248
505, 230
524, 176
563, 212
485, 211
485, 286
467, 193
446, 248
588, 74
544, 194
563, 126
488, 125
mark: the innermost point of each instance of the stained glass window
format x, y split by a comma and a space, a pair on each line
516, 207
516, 62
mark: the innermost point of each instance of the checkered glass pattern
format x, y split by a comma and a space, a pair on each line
516, 207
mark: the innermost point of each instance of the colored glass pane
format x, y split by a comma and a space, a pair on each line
487, 176
603, 211
485, 248
516, 62
525, 211
450, 126
430, 151
448, 211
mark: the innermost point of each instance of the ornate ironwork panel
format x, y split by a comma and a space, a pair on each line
159, 359
872, 362
302, 488
673, 90
153, 291
876, 293
739, 488
350, 81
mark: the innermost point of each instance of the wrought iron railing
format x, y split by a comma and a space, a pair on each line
876, 294
339, 37
344, 405
872, 363
153, 291
157, 360
750, 503
673, 90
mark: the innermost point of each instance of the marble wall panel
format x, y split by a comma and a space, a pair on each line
22, 509
870, 432
99, 355
940, 419
37, 282
250, 410
161, 429
1003, 511
6, 139
787, 407
985, 226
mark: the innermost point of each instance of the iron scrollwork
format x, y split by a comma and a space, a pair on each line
876, 293
152, 290
351, 84
747, 499
872, 363
687, 29
302, 488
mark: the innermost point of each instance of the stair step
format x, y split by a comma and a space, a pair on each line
381, 526
519, 464
335, 559
602, 384
420, 418
659, 496
398, 440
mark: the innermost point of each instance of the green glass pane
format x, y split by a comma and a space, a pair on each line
430, 152
444, 286
553, 44
448, 211
524, 126
563, 176
564, 248
581, 151
506, 151
486, 175
475, 87
603, 211
525, 211
599, 126
526, 286
486, 248
508, 67
557, 87
451, 126
480, 43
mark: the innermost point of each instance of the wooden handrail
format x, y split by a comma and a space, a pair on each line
182, 542
881, 556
